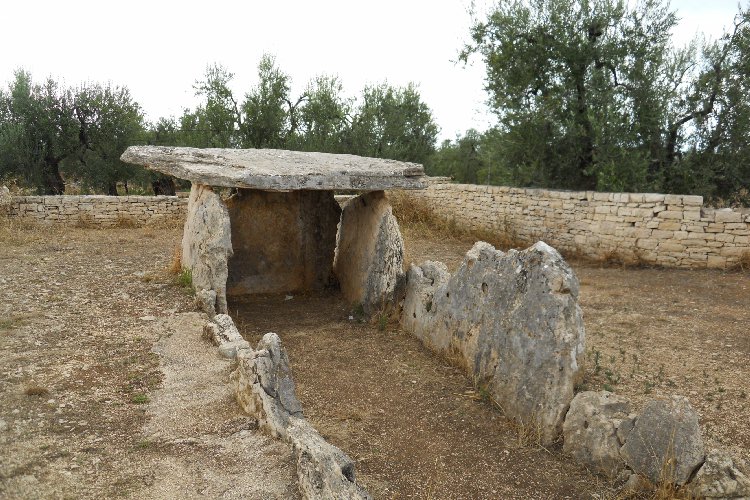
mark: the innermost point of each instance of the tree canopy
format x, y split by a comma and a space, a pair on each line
593, 94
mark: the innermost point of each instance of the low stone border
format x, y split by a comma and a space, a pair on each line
662, 444
265, 389
514, 322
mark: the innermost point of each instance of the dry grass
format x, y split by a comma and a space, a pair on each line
419, 219
35, 390
175, 266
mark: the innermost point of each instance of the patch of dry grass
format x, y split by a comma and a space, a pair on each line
418, 218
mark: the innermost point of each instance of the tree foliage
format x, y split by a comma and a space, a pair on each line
592, 94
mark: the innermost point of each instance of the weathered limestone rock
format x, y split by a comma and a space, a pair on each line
721, 477
265, 387
514, 319
207, 243
665, 445
5, 199
282, 242
222, 332
277, 170
369, 252
596, 426
205, 300
323, 470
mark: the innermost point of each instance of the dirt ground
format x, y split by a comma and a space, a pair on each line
90, 364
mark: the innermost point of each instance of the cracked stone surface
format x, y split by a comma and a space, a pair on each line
277, 170
514, 319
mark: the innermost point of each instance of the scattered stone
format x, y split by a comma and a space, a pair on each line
514, 319
3, 425
323, 470
147, 318
369, 253
5, 199
265, 388
205, 300
277, 170
595, 428
223, 333
635, 484
665, 444
721, 476
207, 243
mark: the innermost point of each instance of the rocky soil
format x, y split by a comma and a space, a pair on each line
108, 390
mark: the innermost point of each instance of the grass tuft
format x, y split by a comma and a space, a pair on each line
36, 390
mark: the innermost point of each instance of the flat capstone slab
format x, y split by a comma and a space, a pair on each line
277, 170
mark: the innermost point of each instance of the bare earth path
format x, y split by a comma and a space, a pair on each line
91, 328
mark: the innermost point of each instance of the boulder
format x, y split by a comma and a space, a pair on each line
721, 476
205, 301
665, 444
514, 319
369, 253
265, 388
207, 243
222, 332
323, 470
595, 428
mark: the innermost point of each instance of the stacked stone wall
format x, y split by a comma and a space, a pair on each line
661, 229
103, 211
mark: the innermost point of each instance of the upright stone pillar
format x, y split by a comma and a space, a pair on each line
369, 252
207, 243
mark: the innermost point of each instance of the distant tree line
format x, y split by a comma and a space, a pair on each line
593, 94
589, 94
50, 135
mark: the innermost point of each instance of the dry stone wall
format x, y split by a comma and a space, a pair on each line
97, 210
661, 229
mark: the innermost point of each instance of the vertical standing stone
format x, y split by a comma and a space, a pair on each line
207, 243
514, 320
369, 252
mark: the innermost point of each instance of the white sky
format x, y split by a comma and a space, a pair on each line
159, 48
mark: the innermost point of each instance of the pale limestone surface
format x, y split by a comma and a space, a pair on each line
514, 320
264, 385
666, 230
595, 429
277, 170
218, 451
98, 211
265, 389
221, 331
666, 443
323, 471
369, 252
721, 476
207, 243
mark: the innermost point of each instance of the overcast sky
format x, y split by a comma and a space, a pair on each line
159, 48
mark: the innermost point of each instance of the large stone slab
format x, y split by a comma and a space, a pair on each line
207, 243
513, 319
369, 252
282, 242
277, 170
